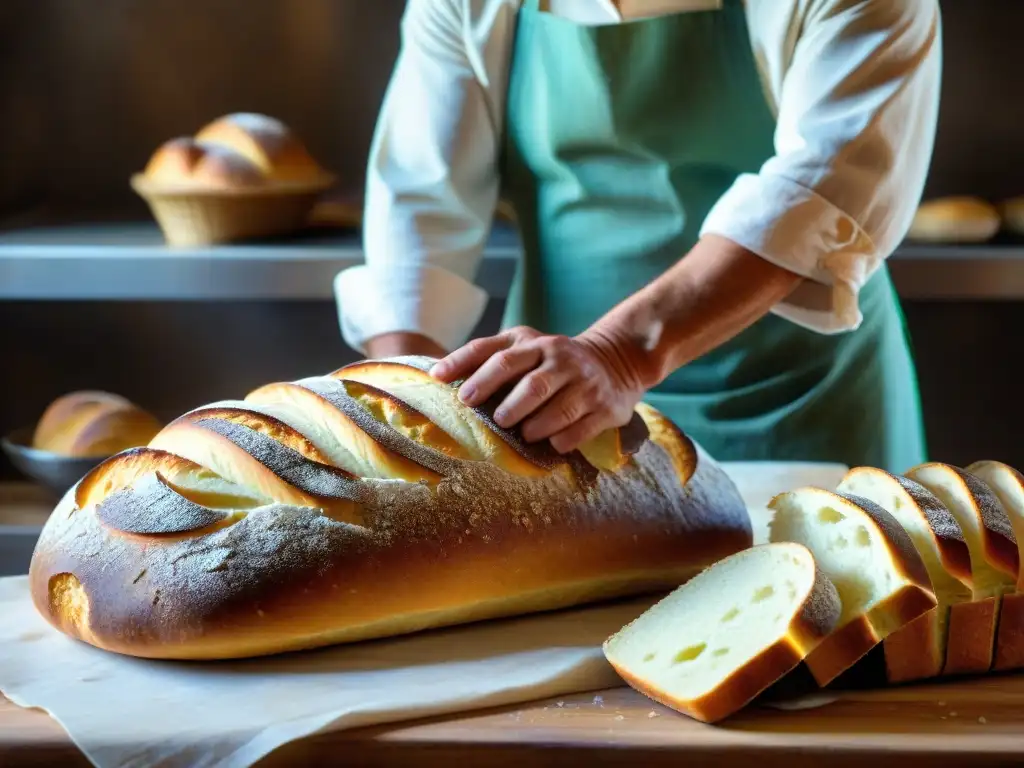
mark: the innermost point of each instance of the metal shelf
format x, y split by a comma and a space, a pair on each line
131, 262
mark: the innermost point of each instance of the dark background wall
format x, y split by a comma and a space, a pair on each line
87, 90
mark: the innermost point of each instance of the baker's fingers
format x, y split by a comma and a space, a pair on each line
568, 406
461, 363
533, 390
587, 428
501, 369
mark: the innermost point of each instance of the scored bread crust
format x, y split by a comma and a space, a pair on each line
811, 624
309, 554
852, 641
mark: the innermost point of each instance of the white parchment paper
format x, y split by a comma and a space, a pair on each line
131, 712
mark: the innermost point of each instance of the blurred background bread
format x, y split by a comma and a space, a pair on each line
187, 161
1012, 212
265, 142
91, 423
957, 219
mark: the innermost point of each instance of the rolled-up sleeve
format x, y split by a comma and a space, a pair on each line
432, 185
857, 105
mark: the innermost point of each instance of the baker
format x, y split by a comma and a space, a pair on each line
707, 191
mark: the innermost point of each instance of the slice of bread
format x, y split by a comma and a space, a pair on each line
918, 650
994, 563
1008, 485
881, 578
718, 641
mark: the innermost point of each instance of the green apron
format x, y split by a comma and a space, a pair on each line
619, 140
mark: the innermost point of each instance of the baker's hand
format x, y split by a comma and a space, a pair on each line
566, 389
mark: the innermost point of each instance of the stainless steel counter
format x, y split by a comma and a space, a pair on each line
131, 262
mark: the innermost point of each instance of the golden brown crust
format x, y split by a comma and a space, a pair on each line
371, 443
288, 572
670, 437
390, 411
850, 643
972, 632
742, 687
273, 428
953, 550
1007, 483
915, 651
1009, 651
997, 535
249, 458
486, 440
130, 467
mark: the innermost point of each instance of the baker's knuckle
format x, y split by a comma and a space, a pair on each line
538, 386
505, 360
570, 410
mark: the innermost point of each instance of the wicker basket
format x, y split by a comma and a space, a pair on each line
191, 217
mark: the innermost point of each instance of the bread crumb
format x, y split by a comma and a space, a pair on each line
942, 703
952, 714
652, 713
560, 704
599, 701
620, 717
982, 720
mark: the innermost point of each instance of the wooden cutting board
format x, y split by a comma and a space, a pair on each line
968, 723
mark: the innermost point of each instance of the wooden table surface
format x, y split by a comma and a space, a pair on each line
970, 723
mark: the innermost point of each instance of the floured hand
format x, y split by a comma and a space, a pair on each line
567, 389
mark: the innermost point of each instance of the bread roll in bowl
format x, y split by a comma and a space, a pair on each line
93, 424
363, 504
187, 162
958, 219
242, 176
267, 143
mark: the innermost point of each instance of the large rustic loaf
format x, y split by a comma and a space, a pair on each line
368, 503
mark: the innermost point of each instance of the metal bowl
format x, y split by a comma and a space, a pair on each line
51, 470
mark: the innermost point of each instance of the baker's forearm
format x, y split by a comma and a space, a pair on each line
402, 343
718, 290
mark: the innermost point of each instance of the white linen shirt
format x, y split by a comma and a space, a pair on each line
854, 86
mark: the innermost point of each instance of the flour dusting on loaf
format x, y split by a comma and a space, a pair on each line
364, 504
